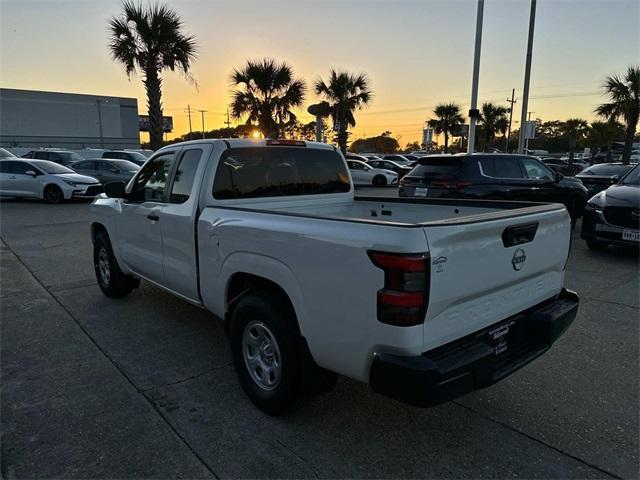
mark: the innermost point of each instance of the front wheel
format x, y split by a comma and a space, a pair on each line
379, 181
111, 280
53, 194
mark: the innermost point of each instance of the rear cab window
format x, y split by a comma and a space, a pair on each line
273, 171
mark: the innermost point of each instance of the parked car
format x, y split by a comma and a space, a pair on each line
6, 154
411, 157
493, 176
399, 159
578, 159
364, 174
107, 170
45, 180
134, 157
613, 215
598, 177
63, 157
401, 170
423, 300
561, 166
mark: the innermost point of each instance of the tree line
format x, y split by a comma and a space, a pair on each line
150, 40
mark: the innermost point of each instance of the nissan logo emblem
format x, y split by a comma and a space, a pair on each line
635, 214
518, 259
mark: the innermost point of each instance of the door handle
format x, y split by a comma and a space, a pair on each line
153, 216
12, 177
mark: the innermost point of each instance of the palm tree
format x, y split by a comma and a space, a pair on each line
267, 92
574, 129
604, 133
448, 119
493, 119
345, 93
624, 93
150, 40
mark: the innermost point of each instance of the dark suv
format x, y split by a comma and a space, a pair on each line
493, 176
63, 157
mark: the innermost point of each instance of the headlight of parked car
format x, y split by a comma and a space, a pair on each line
69, 182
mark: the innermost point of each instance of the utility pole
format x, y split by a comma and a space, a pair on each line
202, 112
527, 77
512, 102
228, 122
189, 112
473, 109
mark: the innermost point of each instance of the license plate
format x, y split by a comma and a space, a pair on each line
631, 235
421, 192
498, 337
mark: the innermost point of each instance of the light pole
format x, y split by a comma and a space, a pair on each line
527, 77
473, 109
100, 123
512, 102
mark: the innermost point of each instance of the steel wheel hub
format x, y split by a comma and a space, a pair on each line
261, 355
103, 266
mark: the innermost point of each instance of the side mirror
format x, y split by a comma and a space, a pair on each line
115, 190
615, 178
558, 176
31, 172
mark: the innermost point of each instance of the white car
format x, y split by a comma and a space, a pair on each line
44, 180
363, 174
423, 299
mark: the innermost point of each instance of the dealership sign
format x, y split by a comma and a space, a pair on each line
167, 123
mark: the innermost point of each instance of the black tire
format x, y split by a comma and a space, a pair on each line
53, 194
282, 376
575, 209
379, 181
111, 280
596, 245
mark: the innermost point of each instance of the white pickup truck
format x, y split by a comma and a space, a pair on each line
423, 299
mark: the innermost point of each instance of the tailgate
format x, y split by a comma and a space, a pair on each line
481, 275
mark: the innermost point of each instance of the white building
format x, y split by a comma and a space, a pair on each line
67, 120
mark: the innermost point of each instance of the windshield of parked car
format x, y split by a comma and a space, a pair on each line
70, 156
605, 170
6, 153
632, 178
279, 171
50, 167
125, 165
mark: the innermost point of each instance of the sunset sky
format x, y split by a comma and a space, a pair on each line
416, 53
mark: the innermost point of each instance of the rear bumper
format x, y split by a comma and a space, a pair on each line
471, 363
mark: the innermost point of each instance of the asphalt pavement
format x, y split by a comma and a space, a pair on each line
144, 388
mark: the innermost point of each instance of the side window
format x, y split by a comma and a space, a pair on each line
535, 170
41, 155
4, 167
185, 174
20, 168
106, 166
151, 181
507, 167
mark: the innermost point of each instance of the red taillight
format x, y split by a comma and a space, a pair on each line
290, 143
404, 298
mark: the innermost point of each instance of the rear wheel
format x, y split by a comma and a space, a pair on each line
379, 181
53, 194
111, 280
596, 245
273, 370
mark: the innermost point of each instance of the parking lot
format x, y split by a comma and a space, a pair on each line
143, 387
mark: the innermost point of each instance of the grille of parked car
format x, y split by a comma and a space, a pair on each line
622, 216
